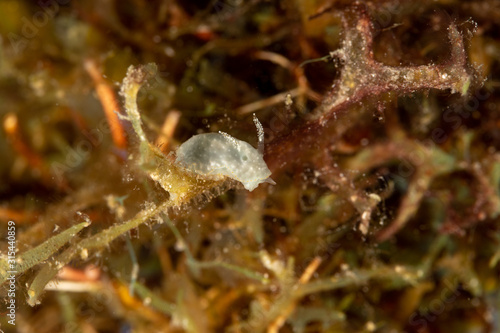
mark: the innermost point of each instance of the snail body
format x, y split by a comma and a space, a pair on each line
220, 155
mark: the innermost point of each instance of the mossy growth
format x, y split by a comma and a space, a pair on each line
381, 128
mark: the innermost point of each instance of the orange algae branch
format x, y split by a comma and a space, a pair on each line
34, 160
167, 130
109, 101
275, 326
362, 76
11, 127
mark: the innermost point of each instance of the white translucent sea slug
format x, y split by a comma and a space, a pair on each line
219, 155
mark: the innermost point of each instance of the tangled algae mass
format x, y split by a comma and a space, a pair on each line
381, 124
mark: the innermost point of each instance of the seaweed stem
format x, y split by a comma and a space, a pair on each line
109, 102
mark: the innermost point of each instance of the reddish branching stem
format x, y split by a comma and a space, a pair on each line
362, 76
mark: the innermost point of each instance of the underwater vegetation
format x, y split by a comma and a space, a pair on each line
250, 166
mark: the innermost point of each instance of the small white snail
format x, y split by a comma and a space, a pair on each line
219, 155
